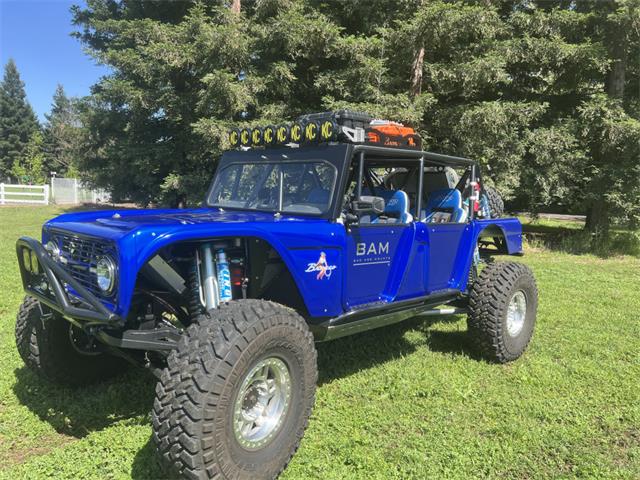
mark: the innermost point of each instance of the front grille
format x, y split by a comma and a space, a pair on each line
79, 256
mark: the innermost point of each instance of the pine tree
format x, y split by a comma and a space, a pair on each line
62, 134
17, 120
174, 64
543, 94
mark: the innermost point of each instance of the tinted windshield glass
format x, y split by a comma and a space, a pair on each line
295, 187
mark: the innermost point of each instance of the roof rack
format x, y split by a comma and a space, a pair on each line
325, 127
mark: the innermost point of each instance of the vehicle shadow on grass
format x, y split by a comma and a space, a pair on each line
343, 357
146, 463
79, 411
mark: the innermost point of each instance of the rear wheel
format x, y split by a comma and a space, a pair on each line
59, 352
502, 310
237, 393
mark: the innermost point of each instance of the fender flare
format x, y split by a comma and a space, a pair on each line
508, 228
146, 250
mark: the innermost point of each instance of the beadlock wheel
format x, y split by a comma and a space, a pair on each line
237, 393
502, 311
516, 313
262, 403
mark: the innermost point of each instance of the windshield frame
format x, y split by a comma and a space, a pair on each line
333, 155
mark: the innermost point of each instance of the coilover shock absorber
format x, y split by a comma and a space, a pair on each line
224, 277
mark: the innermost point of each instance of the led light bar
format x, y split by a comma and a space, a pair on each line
342, 125
297, 132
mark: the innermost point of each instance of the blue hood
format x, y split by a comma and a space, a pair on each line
114, 224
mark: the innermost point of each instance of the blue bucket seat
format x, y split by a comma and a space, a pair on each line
396, 207
445, 206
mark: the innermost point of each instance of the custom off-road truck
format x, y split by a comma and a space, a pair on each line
328, 227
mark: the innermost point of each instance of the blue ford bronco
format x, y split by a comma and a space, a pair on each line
333, 225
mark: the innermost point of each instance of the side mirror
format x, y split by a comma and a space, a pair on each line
367, 206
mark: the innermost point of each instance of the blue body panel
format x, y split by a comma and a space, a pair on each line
360, 266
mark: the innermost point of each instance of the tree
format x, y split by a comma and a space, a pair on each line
29, 167
17, 120
174, 64
543, 94
62, 134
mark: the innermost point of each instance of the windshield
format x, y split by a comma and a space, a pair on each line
293, 187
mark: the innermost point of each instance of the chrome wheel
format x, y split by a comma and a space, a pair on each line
516, 313
262, 403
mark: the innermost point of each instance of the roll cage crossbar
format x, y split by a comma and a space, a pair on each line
407, 155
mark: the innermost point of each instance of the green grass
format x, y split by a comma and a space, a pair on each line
570, 237
409, 401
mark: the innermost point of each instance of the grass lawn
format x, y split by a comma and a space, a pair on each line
408, 401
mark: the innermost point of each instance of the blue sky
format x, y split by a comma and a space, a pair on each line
35, 33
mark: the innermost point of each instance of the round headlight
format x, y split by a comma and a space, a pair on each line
34, 262
106, 274
26, 259
53, 249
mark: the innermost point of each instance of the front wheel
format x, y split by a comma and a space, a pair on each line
59, 352
237, 393
502, 310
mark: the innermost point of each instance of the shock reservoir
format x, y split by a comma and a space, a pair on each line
224, 277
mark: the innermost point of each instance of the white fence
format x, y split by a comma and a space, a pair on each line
73, 191
24, 194
62, 191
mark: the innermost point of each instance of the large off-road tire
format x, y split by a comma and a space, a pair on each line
250, 358
59, 352
502, 310
495, 202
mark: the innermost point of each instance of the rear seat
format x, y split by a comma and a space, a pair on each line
445, 206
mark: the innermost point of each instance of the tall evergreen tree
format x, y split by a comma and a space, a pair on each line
17, 120
543, 94
62, 134
174, 63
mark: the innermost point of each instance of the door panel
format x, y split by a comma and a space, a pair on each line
444, 241
376, 260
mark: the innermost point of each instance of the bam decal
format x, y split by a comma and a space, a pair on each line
372, 248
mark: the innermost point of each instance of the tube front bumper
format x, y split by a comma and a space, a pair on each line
49, 285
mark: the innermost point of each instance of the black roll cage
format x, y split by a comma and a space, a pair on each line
341, 155
406, 155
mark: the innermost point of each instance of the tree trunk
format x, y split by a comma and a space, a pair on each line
416, 73
598, 218
235, 6
615, 87
618, 43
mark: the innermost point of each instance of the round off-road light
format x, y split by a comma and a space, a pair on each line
245, 137
256, 136
328, 131
53, 249
26, 259
106, 274
311, 132
296, 133
269, 135
234, 138
282, 134
35, 266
